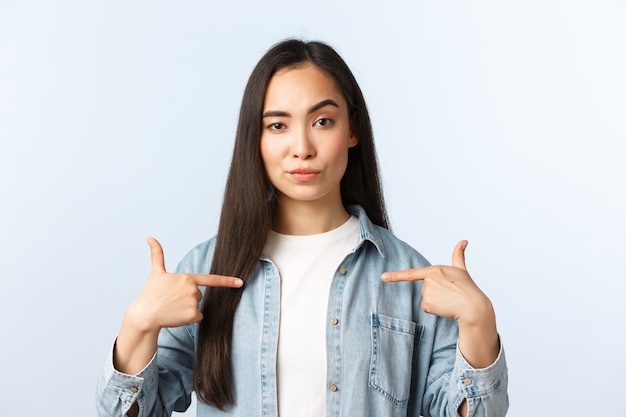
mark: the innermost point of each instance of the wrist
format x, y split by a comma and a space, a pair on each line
478, 336
139, 320
136, 343
480, 314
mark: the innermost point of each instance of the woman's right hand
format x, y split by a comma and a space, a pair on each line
167, 300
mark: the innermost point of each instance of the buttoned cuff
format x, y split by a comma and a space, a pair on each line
129, 388
481, 382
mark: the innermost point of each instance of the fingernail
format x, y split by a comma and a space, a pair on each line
385, 277
239, 282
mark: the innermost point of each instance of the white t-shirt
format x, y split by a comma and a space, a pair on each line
306, 265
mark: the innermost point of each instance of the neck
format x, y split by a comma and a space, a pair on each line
309, 218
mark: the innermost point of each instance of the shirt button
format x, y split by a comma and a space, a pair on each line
333, 387
334, 321
342, 271
134, 389
467, 381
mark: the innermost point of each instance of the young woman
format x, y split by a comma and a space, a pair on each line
317, 322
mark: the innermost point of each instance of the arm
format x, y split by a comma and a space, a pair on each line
167, 302
449, 292
478, 338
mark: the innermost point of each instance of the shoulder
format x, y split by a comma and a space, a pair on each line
392, 251
198, 260
396, 251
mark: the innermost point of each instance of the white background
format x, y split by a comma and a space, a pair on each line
499, 122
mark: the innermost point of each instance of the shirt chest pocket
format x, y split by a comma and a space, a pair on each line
394, 344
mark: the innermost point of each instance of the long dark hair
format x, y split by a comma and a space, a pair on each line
249, 206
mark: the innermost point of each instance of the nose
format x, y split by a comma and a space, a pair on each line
302, 147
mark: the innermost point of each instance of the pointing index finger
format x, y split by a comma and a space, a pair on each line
415, 274
213, 280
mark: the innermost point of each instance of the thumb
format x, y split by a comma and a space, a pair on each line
458, 255
156, 253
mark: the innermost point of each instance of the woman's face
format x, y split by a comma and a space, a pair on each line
305, 136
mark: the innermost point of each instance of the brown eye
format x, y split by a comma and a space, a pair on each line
323, 122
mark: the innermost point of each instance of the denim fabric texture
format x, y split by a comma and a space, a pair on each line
385, 356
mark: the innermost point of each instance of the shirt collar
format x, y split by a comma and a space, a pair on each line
367, 230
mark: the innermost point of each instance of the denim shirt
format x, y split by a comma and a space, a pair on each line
384, 355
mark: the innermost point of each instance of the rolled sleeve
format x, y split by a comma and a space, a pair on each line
116, 391
484, 389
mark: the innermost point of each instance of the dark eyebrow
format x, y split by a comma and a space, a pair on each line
314, 108
276, 113
323, 103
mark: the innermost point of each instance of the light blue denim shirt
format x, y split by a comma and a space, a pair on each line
384, 355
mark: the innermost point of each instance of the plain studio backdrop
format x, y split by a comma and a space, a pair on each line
502, 123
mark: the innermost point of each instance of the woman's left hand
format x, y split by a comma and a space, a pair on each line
450, 292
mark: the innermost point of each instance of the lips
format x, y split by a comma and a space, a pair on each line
304, 174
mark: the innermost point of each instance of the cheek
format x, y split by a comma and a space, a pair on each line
266, 151
339, 152
272, 159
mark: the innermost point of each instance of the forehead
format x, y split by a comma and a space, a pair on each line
303, 85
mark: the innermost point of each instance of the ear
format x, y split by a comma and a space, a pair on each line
352, 141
